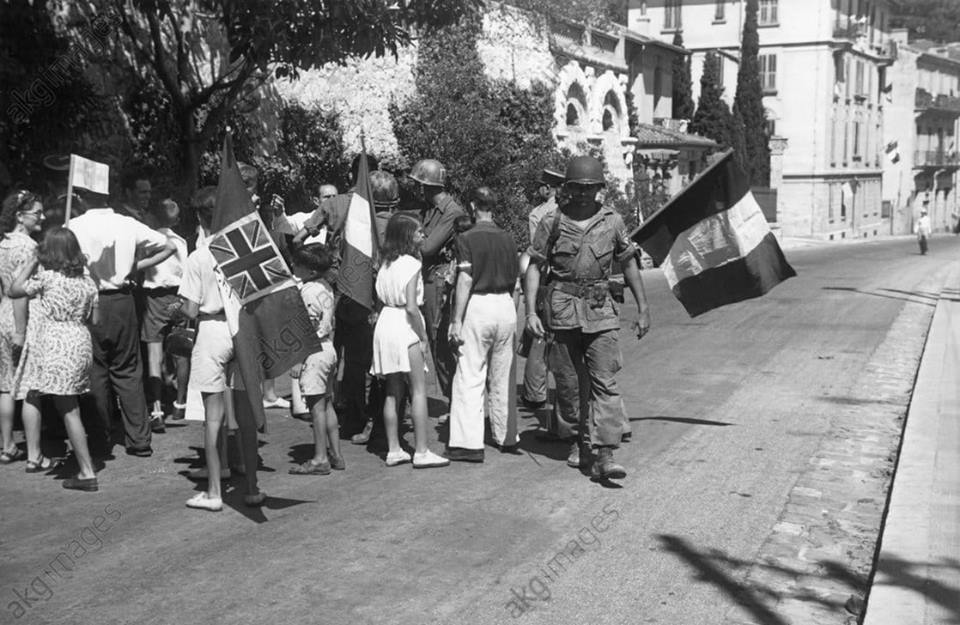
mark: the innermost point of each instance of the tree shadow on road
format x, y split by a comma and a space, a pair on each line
686, 420
917, 297
760, 587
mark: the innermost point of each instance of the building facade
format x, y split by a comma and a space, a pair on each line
923, 109
823, 70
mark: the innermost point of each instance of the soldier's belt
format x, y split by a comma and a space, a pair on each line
580, 288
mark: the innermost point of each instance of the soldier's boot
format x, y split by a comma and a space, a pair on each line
605, 467
575, 458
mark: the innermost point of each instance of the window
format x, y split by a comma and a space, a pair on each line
858, 79
719, 12
768, 72
856, 141
671, 15
657, 88
573, 116
768, 12
771, 127
720, 65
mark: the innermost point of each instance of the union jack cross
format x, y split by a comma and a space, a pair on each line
249, 259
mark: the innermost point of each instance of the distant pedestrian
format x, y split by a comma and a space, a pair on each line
400, 339
313, 265
482, 329
922, 228
137, 193
57, 356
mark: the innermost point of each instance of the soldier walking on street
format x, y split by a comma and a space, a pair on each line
577, 247
438, 214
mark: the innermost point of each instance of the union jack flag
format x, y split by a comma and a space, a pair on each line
249, 259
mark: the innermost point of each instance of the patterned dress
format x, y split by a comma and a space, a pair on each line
57, 354
16, 250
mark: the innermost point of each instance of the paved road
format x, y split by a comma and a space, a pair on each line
727, 411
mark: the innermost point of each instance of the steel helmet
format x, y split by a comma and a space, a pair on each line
584, 170
429, 172
386, 191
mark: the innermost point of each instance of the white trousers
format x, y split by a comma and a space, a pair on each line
485, 364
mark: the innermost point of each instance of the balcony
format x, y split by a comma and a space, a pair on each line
849, 30
935, 158
926, 101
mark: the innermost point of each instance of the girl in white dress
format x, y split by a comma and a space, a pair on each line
400, 339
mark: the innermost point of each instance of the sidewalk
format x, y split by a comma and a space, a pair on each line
917, 576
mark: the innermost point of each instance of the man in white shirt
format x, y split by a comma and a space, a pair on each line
116, 247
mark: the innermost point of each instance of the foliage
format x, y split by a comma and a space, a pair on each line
600, 14
683, 107
938, 20
485, 132
713, 118
748, 102
47, 104
210, 56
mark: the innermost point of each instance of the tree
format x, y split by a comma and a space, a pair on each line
209, 55
485, 132
748, 102
713, 118
682, 84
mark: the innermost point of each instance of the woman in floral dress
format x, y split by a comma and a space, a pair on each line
22, 215
56, 361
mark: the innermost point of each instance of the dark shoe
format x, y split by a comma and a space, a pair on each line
157, 426
464, 455
513, 450
303, 416
75, 483
6, 457
140, 452
574, 458
179, 411
605, 467
336, 462
626, 437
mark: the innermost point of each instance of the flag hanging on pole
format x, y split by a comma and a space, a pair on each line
270, 325
359, 253
713, 242
89, 175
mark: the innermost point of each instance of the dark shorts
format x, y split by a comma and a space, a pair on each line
156, 318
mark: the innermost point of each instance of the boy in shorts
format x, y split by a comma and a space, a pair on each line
313, 264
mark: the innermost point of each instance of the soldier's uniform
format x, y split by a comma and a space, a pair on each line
584, 318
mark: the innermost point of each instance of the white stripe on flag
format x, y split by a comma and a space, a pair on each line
358, 231
90, 175
717, 240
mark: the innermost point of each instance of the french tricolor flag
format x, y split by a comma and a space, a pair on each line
360, 252
713, 243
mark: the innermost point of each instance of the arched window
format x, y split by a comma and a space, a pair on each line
573, 117
576, 106
607, 120
611, 112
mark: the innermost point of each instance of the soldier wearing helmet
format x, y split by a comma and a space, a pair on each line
438, 213
577, 248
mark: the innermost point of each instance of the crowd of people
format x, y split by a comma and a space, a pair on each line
88, 312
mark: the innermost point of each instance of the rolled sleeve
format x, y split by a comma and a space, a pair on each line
538, 245
148, 240
464, 256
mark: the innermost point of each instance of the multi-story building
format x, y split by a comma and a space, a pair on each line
922, 111
823, 70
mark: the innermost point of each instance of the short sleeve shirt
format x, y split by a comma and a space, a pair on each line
318, 299
489, 256
199, 282
112, 243
537, 214
582, 252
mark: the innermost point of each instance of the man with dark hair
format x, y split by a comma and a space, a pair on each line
136, 196
353, 339
482, 328
117, 247
579, 245
438, 213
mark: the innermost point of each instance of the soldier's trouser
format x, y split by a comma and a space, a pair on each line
584, 366
483, 369
535, 372
354, 336
436, 316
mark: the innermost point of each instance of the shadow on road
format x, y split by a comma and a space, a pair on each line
684, 420
899, 573
916, 297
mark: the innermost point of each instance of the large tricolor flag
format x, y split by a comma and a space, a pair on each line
713, 242
270, 325
360, 252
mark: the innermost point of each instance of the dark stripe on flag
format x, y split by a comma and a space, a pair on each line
748, 277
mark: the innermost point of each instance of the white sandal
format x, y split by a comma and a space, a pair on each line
428, 460
203, 502
397, 457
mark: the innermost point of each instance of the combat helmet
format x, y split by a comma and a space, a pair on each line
584, 170
429, 172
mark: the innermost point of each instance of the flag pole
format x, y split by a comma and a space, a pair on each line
66, 215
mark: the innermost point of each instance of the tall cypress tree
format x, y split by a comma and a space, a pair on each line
682, 85
713, 118
748, 102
